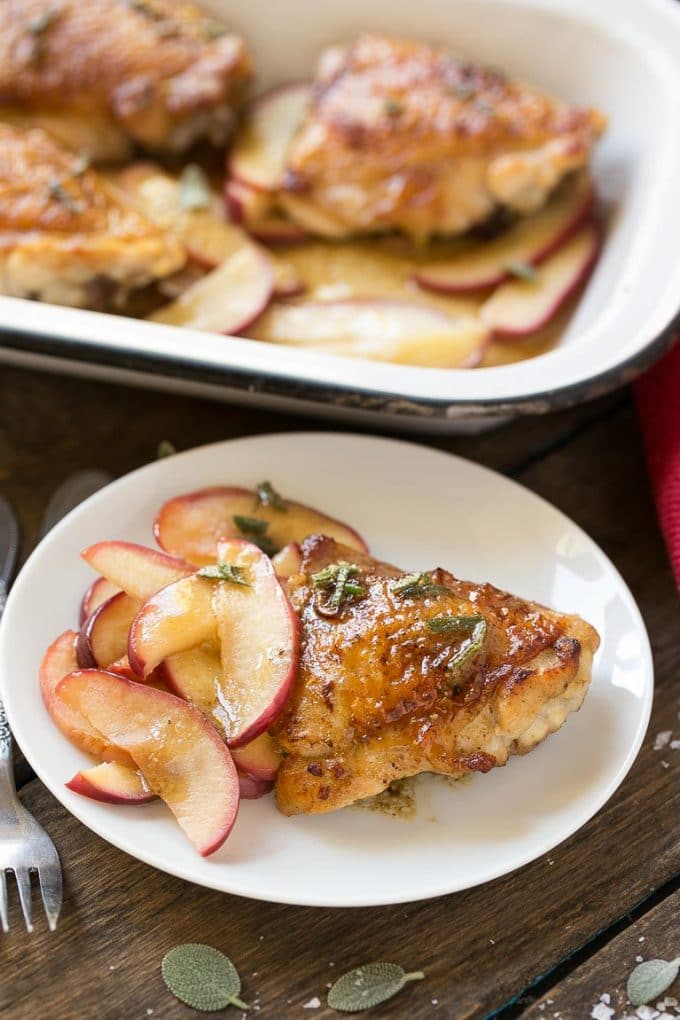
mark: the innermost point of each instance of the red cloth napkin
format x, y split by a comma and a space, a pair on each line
658, 399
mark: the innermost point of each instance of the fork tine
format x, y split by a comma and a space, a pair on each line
51, 890
23, 880
3, 901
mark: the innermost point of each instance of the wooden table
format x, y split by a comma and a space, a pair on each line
546, 941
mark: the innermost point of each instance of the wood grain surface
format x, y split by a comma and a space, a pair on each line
484, 950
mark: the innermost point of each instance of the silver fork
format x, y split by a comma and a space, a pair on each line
25, 847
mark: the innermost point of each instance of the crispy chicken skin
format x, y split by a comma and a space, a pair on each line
66, 235
402, 136
102, 73
376, 698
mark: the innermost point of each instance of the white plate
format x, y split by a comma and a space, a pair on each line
620, 55
417, 507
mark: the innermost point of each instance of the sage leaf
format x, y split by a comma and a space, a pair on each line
268, 496
521, 270
224, 572
368, 986
250, 525
194, 188
165, 449
202, 977
650, 980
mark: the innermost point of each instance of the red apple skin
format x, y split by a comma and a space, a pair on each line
126, 712
253, 789
497, 277
135, 569
104, 635
58, 661
99, 591
221, 503
507, 333
241, 552
258, 759
112, 784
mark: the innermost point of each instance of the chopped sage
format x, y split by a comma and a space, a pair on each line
472, 626
335, 578
57, 191
40, 24
80, 164
268, 496
649, 980
522, 270
202, 977
393, 107
414, 586
165, 449
255, 531
250, 525
224, 572
147, 9
368, 986
194, 188
463, 90
214, 30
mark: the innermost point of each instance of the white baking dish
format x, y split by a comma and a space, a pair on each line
621, 55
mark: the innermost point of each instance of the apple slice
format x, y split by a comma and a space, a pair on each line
257, 759
196, 676
287, 561
258, 155
259, 635
181, 756
226, 300
310, 218
405, 332
103, 637
522, 307
135, 569
112, 783
208, 237
177, 617
252, 789
256, 212
100, 591
528, 241
242, 690
190, 525
60, 659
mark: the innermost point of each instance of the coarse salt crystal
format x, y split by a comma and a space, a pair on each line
313, 1003
435, 1002
646, 1013
606, 997
665, 764
639, 959
675, 745
600, 1011
662, 738
641, 939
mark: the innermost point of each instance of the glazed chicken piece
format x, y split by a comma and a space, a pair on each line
417, 673
66, 234
103, 74
402, 136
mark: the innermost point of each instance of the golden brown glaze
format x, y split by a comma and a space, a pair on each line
156, 71
376, 698
66, 235
400, 135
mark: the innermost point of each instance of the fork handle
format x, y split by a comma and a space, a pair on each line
8, 792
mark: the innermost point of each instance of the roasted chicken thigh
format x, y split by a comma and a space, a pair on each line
401, 136
416, 673
67, 235
102, 74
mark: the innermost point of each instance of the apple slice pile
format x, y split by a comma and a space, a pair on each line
182, 663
